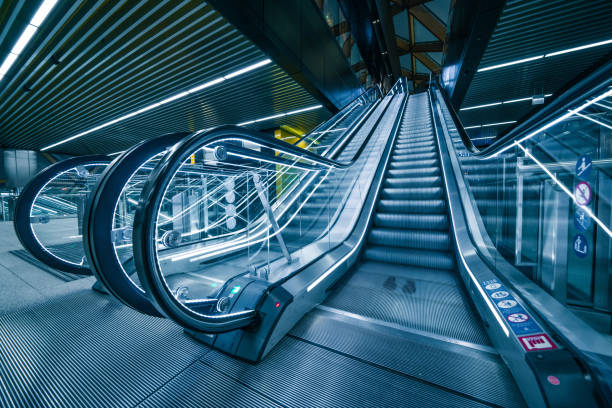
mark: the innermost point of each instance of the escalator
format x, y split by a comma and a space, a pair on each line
360, 268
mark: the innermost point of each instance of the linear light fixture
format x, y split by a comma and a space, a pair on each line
164, 101
552, 54
280, 115
490, 124
27, 34
594, 120
486, 105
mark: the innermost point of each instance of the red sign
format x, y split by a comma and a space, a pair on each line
537, 342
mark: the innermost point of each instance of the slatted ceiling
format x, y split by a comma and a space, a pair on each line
227, 103
118, 57
529, 28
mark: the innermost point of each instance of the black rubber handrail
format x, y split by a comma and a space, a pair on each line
593, 83
150, 200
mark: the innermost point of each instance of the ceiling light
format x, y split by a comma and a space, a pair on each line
582, 47
162, 102
490, 124
594, 120
25, 37
280, 115
481, 106
507, 64
552, 54
499, 103
42, 12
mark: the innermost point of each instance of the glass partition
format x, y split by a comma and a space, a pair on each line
545, 203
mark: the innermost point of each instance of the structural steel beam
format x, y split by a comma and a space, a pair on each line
471, 24
430, 21
295, 35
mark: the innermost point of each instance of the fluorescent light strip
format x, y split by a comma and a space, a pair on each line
565, 189
490, 124
499, 103
552, 54
27, 34
163, 102
280, 115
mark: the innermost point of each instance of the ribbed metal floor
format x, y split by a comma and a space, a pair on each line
87, 350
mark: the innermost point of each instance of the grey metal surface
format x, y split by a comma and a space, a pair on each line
476, 373
299, 374
84, 349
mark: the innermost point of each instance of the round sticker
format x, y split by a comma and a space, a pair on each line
230, 197
506, 304
517, 317
584, 164
499, 295
581, 246
582, 193
493, 286
582, 221
231, 222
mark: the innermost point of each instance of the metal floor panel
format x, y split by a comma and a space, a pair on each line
84, 349
201, 386
477, 373
299, 374
409, 300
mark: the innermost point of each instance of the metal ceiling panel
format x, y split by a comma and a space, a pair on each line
92, 62
529, 28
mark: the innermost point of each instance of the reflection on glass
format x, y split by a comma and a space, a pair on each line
57, 212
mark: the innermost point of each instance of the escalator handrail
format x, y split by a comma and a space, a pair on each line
584, 341
322, 125
578, 92
145, 217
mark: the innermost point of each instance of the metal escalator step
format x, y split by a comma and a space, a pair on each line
411, 144
433, 181
412, 221
417, 239
420, 172
407, 150
398, 164
414, 156
413, 257
415, 139
413, 193
412, 206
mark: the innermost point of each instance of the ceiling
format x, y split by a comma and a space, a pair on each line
528, 28
91, 62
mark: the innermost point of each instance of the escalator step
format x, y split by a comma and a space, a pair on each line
412, 257
415, 193
397, 164
414, 156
412, 206
414, 182
415, 150
417, 239
412, 221
418, 172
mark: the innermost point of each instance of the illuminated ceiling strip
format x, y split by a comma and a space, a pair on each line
490, 124
565, 189
164, 101
27, 34
559, 119
280, 115
499, 103
552, 54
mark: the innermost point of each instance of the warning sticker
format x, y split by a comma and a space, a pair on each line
537, 342
517, 317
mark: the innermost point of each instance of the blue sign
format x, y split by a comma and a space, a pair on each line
581, 246
582, 220
584, 165
517, 317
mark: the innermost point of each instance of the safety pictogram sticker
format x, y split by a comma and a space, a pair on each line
537, 342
